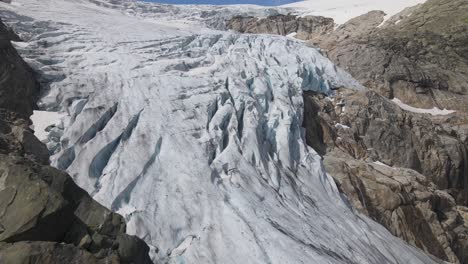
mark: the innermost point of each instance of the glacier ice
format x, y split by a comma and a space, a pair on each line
194, 134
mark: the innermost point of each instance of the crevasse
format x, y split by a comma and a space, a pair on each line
194, 134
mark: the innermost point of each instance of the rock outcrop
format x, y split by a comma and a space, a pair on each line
18, 85
383, 131
305, 28
44, 216
419, 56
404, 170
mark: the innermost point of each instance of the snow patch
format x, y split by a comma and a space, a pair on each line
339, 125
343, 10
43, 119
19, 44
434, 111
383, 164
292, 35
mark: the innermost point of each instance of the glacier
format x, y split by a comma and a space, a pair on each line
194, 133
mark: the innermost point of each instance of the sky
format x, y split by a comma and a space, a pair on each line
227, 2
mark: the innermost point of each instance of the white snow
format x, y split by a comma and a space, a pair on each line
434, 111
195, 135
41, 120
291, 35
339, 125
343, 10
382, 164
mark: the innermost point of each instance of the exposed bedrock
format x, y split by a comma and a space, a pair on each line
381, 130
18, 85
305, 28
44, 216
405, 170
40, 203
419, 56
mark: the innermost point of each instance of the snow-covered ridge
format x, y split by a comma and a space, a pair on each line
343, 10
195, 134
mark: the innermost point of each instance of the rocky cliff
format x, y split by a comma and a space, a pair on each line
308, 27
419, 56
393, 166
44, 216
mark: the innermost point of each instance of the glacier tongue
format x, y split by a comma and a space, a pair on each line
195, 135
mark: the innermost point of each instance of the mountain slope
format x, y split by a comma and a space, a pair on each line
419, 58
195, 134
375, 151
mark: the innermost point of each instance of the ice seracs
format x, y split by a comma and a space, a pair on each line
195, 135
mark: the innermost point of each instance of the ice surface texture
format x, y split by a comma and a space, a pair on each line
195, 134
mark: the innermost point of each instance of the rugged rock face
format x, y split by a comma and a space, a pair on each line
405, 202
40, 203
16, 78
44, 216
362, 134
383, 131
308, 27
420, 56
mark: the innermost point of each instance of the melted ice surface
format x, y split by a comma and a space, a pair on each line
195, 135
